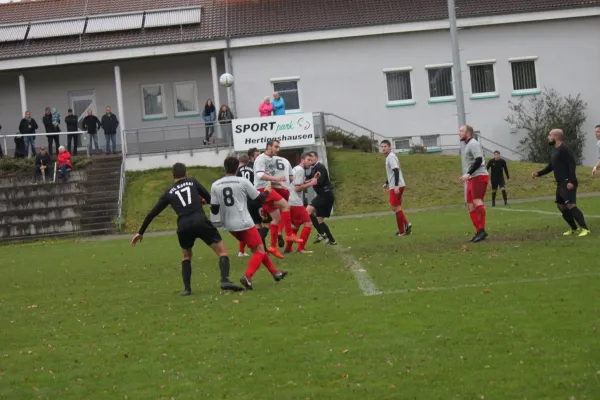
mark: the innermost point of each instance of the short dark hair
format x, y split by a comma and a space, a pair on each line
496, 152
272, 142
252, 152
179, 170
469, 129
70, 110
314, 154
385, 141
597, 126
244, 158
304, 155
231, 165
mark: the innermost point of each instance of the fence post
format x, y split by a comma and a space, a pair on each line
5, 148
323, 127
137, 135
190, 137
163, 136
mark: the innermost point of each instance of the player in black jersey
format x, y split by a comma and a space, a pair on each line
499, 168
184, 196
246, 170
320, 207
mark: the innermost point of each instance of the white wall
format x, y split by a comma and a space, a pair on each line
345, 76
199, 158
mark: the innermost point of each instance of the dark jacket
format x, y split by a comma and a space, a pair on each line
110, 124
50, 128
28, 126
226, 116
72, 123
91, 124
42, 159
19, 147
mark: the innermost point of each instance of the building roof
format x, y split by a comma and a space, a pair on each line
243, 18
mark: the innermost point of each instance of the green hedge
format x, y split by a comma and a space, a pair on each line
16, 165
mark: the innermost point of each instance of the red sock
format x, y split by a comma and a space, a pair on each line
286, 221
254, 264
274, 230
401, 221
481, 210
242, 247
474, 218
269, 264
304, 236
288, 245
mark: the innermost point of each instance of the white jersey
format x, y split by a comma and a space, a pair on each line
263, 164
282, 168
298, 179
231, 193
472, 151
598, 146
391, 163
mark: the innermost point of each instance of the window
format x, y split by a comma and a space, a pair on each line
153, 101
402, 144
483, 80
431, 141
288, 89
186, 99
441, 85
399, 86
524, 75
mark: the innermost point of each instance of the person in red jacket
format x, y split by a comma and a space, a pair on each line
64, 163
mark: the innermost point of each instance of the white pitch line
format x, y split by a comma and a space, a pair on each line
485, 285
361, 275
536, 212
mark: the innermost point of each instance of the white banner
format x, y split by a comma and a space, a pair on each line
294, 130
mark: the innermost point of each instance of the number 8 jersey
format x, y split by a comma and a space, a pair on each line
231, 193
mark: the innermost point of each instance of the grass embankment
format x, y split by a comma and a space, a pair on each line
432, 180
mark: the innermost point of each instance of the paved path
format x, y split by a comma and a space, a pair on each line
366, 215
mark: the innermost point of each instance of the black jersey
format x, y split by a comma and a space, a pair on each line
563, 165
323, 183
498, 169
247, 171
184, 196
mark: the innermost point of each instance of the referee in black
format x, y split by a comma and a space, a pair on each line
563, 165
498, 169
320, 207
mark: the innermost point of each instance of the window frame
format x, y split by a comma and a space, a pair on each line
184, 114
153, 117
525, 92
399, 103
484, 95
289, 79
440, 99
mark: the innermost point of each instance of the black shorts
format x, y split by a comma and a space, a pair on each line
253, 209
566, 196
496, 183
323, 203
192, 228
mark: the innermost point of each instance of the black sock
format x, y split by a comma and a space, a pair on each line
566, 213
493, 197
186, 274
578, 215
504, 196
327, 231
316, 224
224, 266
263, 234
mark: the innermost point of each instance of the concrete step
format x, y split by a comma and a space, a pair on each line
103, 186
41, 189
50, 226
42, 202
94, 226
40, 214
105, 199
26, 179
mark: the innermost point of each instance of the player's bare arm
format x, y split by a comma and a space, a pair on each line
156, 210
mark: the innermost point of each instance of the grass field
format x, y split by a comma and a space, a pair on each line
515, 317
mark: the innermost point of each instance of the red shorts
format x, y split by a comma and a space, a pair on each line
396, 199
250, 236
299, 216
283, 193
269, 206
476, 187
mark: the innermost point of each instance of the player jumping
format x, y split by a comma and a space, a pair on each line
499, 168
184, 196
320, 207
395, 184
230, 196
597, 166
476, 178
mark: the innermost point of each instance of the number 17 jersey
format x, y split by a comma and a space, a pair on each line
231, 193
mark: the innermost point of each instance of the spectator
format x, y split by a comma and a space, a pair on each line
225, 118
278, 104
209, 115
27, 126
42, 162
91, 124
72, 126
48, 121
266, 108
19, 147
1, 151
64, 163
110, 124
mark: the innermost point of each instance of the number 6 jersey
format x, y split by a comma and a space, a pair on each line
231, 193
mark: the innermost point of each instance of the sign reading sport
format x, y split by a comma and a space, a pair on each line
294, 130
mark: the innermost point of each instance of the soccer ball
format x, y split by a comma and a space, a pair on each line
226, 80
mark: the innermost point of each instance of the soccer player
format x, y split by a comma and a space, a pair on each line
265, 170
476, 178
300, 216
320, 207
395, 184
184, 197
230, 196
499, 168
246, 171
597, 166
563, 165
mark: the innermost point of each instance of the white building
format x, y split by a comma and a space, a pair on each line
383, 65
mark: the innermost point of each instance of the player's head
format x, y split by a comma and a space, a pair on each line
386, 147
314, 157
305, 160
555, 137
253, 153
272, 147
231, 165
179, 171
465, 132
597, 130
244, 159
496, 155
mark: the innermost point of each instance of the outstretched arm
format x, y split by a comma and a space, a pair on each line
505, 167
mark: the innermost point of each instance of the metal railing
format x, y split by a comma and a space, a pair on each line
84, 142
121, 193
